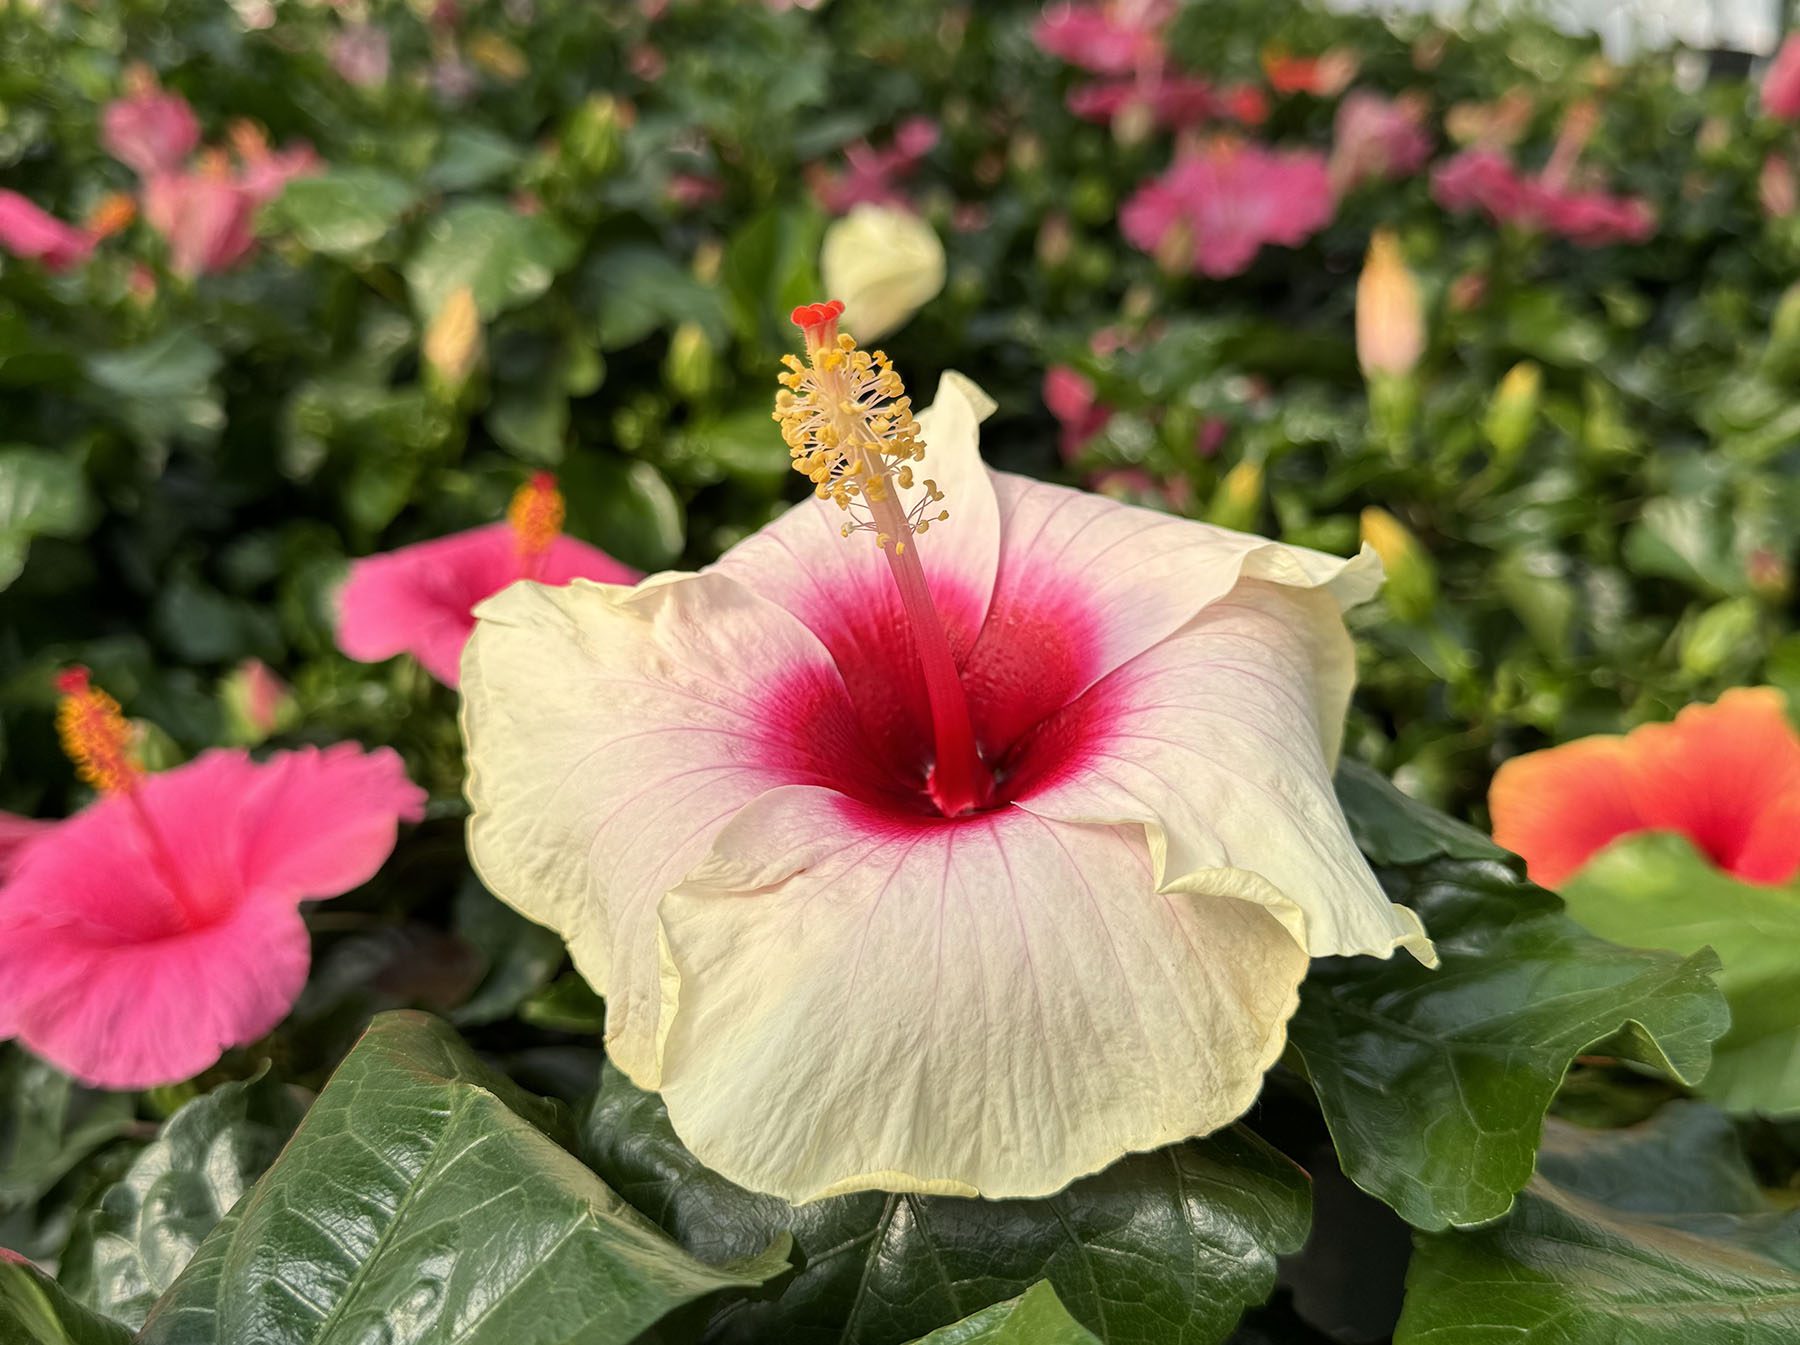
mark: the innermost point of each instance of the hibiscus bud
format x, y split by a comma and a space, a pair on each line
594, 136
498, 57
1055, 241
453, 346
1390, 318
258, 704
1411, 588
1720, 634
1775, 187
689, 366
1237, 503
885, 264
1512, 412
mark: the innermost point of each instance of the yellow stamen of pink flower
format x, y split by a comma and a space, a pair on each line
95, 734
536, 516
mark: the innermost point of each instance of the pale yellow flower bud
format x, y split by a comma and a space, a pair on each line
885, 264
452, 346
1390, 317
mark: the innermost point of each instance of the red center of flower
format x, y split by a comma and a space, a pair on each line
849, 428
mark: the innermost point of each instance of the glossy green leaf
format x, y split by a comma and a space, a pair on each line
1391, 828
1182, 1238
1657, 891
42, 493
163, 389
129, 1248
1435, 1082
48, 1124
1035, 1317
426, 1198
342, 211
1654, 1235
625, 508
36, 1310
638, 290
505, 258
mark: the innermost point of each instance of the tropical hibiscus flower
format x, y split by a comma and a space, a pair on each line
420, 599
149, 932
954, 833
1725, 775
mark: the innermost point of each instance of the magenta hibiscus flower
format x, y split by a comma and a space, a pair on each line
958, 854
1221, 203
420, 600
156, 928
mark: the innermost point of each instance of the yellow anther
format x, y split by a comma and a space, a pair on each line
536, 515
849, 427
95, 734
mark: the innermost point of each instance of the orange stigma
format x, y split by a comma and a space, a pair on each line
536, 516
95, 735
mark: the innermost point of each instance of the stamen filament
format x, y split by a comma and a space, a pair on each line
97, 737
849, 427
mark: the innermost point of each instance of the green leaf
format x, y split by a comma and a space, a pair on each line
35, 1310
162, 389
1657, 891
637, 289
48, 1124
1035, 1317
1391, 828
521, 956
426, 1197
1654, 1235
625, 508
343, 211
471, 157
1186, 1235
1435, 1082
42, 493
145, 1228
507, 259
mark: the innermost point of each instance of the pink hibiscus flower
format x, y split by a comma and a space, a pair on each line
160, 926
36, 235
1113, 38
1486, 180
954, 850
1376, 138
150, 131
874, 175
15, 834
1221, 203
420, 599
1174, 102
1072, 400
1781, 82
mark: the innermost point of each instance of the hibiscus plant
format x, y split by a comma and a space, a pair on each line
837, 671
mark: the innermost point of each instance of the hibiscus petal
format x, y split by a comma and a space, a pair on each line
1723, 775
118, 1013
420, 599
611, 733
317, 823
993, 1006
1216, 742
840, 589
1559, 807
1085, 584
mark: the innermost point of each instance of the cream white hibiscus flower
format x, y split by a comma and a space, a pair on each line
953, 855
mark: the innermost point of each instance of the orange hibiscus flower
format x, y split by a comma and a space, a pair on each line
1725, 775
